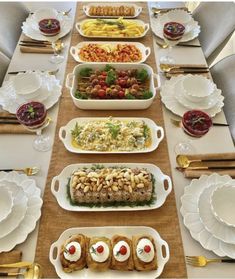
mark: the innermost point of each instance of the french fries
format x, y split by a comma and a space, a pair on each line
112, 28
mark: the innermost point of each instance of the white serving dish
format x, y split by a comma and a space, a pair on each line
27, 84
140, 22
192, 218
6, 203
180, 16
62, 179
145, 51
127, 231
86, 8
223, 204
105, 104
197, 87
31, 29
33, 212
66, 138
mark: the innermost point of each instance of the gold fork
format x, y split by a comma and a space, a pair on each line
178, 123
66, 12
201, 261
28, 171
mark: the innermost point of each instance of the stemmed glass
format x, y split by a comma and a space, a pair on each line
33, 116
172, 33
57, 58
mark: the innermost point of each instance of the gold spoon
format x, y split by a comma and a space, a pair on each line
162, 45
168, 68
184, 162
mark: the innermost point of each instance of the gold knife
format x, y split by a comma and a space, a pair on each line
209, 165
16, 265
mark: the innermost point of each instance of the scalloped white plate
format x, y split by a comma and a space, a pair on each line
192, 221
168, 92
33, 212
30, 28
49, 93
128, 231
192, 27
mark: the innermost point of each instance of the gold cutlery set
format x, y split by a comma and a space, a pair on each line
178, 123
164, 45
194, 165
34, 46
30, 171
158, 11
31, 270
50, 72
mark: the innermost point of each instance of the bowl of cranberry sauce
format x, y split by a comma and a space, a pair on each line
49, 26
32, 114
196, 123
173, 30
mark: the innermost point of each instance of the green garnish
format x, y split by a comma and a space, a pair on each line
142, 75
108, 67
147, 95
129, 96
146, 131
49, 23
111, 77
93, 250
85, 72
120, 25
80, 95
76, 131
31, 111
113, 129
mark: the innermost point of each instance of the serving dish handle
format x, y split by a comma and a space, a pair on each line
53, 182
138, 11
147, 52
69, 80
73, 51
146, 29
157, 78
168, 190
164, 244
161, 133
51, 252
62, 129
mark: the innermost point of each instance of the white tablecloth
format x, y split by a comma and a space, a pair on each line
16, 150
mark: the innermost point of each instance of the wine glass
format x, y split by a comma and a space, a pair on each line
172, 33
33, 116
57, 58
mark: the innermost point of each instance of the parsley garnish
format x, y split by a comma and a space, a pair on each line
113, 129
142, 75
111, 77
85, 72
147, 94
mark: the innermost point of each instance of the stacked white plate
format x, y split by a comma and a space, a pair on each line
31, 29
192, 29
20, 206
29, 86
200, 218
188, 92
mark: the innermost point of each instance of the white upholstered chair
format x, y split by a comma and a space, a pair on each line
12, 15
4, 62
223, 74
217, 21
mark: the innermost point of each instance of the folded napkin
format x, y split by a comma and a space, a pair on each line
12, 128
10, 257
212, 156
41, 50
198, 173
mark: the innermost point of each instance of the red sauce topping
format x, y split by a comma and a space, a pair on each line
173, 30
100, 249
49, 25
147, 248
72, 249
196, 123
31, 114
123, 250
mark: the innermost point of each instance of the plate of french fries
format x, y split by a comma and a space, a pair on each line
112, 28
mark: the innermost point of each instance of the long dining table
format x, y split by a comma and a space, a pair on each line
17, 151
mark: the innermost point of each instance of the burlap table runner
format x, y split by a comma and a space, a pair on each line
55, 220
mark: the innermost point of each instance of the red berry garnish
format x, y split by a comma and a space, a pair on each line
147, 248
100, 249
72, 249
123, 250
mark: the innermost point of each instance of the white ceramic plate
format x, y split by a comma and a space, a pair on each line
206, 103
168, 92
30, 26
192, 220
62, 179
18, 210
122, 104
192, 27
86, 8
66, 138
6, 204
75, 50
140, 22
109, 232
48, 94
218, 229
33, 211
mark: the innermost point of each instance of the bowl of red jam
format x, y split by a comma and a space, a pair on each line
49, 26
173, 30
196, 123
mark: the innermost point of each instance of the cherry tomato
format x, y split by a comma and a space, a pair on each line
123, 250
147, 248
102, 83
121, 94
72, 249
122, 82
101, 77
100, 249
101, 93
104, 74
